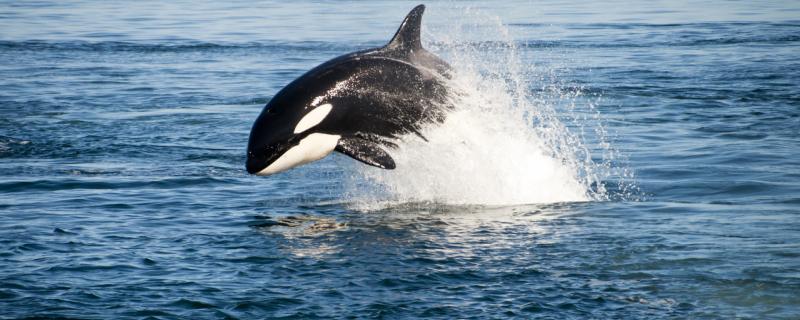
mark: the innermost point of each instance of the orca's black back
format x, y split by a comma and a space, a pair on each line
381, 98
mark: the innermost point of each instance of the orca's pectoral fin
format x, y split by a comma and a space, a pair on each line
366, 152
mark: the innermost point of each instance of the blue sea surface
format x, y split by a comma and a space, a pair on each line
123, 194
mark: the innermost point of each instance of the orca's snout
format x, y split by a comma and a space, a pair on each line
259, 159
255, 163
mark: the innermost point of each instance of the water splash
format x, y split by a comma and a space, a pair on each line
505, 143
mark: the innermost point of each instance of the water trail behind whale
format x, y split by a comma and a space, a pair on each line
502, 145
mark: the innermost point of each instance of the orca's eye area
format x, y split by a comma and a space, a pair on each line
273, 110
271, 148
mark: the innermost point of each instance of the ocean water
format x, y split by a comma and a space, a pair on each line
612, 160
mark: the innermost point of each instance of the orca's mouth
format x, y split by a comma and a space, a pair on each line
258, 160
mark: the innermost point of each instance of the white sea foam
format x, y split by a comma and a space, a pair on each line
503, 144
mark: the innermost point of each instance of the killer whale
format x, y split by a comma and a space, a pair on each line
356, 104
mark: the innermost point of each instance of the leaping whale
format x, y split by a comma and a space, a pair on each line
356, 104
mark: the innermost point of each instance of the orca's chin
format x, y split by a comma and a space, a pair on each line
255, 165
258, 164
311, 148
266, 166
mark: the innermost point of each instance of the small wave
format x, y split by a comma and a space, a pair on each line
688, 41
641, 43
179, 46
98, 184
639, 26
10, 146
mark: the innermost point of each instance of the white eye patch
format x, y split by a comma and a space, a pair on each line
313, 118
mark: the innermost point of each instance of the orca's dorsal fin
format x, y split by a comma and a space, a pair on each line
408, 35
